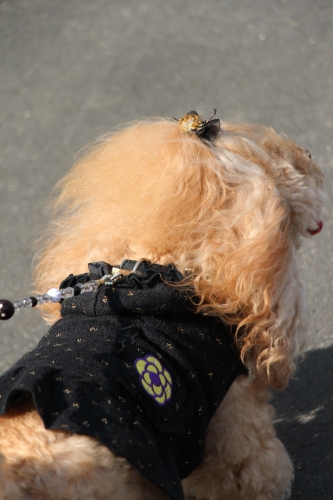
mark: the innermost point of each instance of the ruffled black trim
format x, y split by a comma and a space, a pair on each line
145, 275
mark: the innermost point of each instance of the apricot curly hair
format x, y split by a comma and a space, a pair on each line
231, 212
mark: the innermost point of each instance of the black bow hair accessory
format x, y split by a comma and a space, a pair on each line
205, 129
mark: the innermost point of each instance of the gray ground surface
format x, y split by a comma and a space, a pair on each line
71, 70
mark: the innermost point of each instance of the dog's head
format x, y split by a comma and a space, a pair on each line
231, 210
296, 176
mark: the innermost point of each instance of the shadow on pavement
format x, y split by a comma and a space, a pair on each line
304, 422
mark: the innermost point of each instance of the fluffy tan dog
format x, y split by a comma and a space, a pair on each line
227, 212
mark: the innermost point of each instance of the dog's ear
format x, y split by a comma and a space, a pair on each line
271, 342
247, 272
270, 346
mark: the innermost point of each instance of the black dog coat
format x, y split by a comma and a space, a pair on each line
133, 366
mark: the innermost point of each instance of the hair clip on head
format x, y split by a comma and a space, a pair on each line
206, 129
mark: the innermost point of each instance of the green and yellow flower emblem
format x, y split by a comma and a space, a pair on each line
154, 378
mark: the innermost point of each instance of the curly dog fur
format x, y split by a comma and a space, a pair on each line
233, 212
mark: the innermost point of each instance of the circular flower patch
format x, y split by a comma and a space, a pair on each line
155, 379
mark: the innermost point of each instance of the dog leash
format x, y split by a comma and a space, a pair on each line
8, 308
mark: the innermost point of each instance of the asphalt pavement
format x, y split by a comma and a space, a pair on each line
71, 70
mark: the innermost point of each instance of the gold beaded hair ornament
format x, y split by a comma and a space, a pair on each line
205, 129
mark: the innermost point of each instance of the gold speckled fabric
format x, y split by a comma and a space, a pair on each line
133, 366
